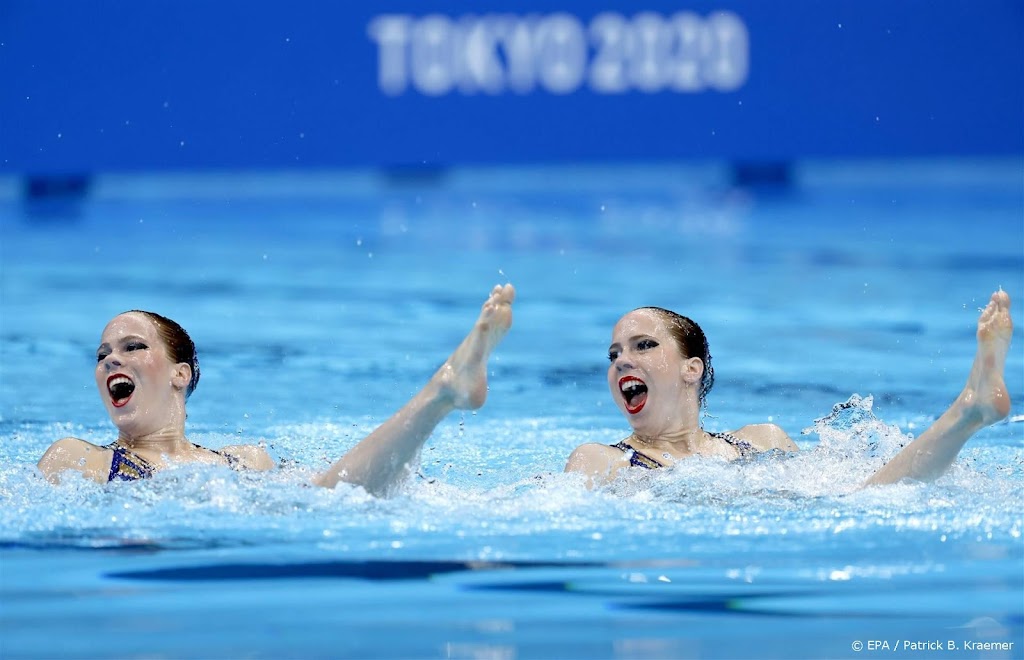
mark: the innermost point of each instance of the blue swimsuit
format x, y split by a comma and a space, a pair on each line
637, 459
126, 465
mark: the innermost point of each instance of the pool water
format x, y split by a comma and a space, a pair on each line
320, 302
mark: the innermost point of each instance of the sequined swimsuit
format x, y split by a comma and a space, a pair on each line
641, 460
126, 465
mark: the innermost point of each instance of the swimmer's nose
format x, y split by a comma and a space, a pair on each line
622, 363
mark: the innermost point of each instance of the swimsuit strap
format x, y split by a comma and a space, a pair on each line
637, 459
232, 461
126, 465
742, 446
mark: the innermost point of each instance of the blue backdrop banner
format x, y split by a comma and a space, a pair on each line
164, 85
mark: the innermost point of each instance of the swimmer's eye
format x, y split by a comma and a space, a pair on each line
645, 344
100, 356
612, 355
135, 346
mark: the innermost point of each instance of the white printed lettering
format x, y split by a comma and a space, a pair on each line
436, 55
391, 34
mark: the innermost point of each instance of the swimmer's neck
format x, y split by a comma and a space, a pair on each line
689, 439
169, 440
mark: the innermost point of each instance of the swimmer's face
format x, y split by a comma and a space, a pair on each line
649, 379
134, 375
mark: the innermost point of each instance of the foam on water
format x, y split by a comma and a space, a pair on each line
496, 492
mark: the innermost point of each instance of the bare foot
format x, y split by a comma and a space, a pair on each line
983, 401
464, 375
985, 393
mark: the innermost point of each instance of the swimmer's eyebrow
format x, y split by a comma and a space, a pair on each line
632, 339
123, 340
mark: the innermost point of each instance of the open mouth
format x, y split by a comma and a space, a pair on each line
634, 392
120, 388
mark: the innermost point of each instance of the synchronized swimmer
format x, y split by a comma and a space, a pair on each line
146, 368
661, 372
659, 375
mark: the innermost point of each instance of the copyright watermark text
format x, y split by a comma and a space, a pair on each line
875, 645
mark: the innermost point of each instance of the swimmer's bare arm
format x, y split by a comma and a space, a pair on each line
84, 457
766, 437
251, 457
600, 464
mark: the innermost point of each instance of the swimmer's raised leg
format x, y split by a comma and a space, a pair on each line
381, 459
982, 402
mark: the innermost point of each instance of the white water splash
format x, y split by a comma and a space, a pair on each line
495, 490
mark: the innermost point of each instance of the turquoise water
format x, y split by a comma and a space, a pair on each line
320, 302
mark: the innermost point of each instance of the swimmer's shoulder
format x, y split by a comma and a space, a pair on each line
92, 461
250, 457
599, 463
766, 437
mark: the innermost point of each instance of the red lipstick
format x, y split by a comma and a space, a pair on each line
120, 388
634, 393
